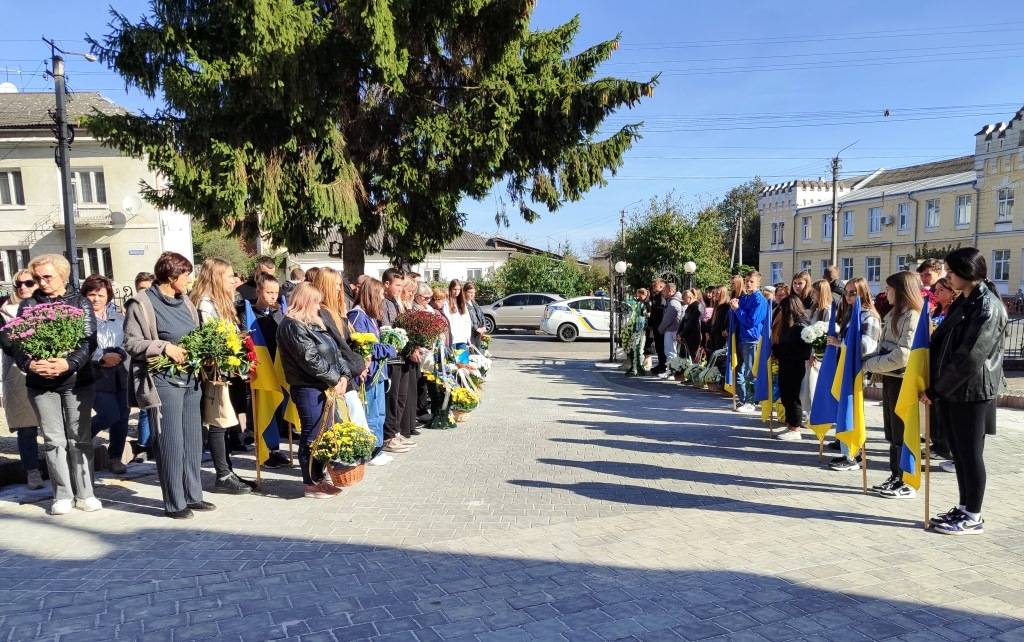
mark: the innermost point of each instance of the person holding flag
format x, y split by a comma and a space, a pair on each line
268, 314
861, 330
966, 377
903, 292
908, 403
822, 416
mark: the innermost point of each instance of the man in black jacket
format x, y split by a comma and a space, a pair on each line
657, 313
248, 290
400, 416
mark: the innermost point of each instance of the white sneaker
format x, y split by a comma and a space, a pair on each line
748, 409
665, 375
35, 480
947, 466
89, 504
61, 507
789, 435
382, 459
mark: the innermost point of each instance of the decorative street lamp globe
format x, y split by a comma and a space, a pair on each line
690, 267
620, 267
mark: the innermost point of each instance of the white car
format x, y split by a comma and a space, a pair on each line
585, 316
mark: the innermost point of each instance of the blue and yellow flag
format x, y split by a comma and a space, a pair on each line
908, 408
824, 405
731, 356
764, 388
848, 387
266, 387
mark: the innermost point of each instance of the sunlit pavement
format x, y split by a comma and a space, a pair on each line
573, 505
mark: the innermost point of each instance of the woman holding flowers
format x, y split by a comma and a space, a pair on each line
21, 416
314, 369
791, 352
363, 318
110, 362
214, 298
156, 320
459, 321
60, 387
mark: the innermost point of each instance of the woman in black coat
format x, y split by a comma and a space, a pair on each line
691, 326
966, 375
792, 353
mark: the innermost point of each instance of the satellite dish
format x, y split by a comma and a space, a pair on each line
131, 205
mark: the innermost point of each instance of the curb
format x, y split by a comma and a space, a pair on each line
1005, 401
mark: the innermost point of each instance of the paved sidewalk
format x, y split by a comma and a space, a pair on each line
574, 505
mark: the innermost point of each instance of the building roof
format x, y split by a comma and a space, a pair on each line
32, 110
466, 242
923, 171
893, 189
999, 129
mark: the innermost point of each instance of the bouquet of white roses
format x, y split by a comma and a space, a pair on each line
677, 364
394, 337
816, 335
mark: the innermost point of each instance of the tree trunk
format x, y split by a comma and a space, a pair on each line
353, 253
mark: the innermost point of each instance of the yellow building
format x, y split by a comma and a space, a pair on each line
886, 219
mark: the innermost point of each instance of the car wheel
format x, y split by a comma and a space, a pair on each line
567, 333
490, 324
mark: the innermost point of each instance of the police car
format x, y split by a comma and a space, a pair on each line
585, 316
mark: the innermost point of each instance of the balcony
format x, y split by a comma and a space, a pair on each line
96, 218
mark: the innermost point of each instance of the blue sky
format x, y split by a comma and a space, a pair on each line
748, 87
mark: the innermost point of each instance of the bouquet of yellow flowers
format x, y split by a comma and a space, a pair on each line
362, 342
464, 399
345, 442
215, 349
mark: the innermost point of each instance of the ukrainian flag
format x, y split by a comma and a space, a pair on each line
291, 411
763, 384
266, 387
848, 387
731, 356
908, 408
824, 405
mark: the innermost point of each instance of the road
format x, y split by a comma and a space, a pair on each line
574, 505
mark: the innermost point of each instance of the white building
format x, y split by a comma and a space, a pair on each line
118, 233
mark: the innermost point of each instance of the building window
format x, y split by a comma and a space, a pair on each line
963, 209
848, 228
1004, 204
931, 213
776, 271
873, 269
90, 187
805, 227
824, 266
95, 260
826, 226
903, 216
778, 233
11, 190
874, 220
1001, 265
805, 266
474, 274
902, 261
847, 269
782, 233
10, 262
433, 276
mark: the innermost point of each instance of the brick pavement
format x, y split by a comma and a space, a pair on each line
574, 505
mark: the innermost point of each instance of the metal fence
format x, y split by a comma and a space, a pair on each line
1013, 345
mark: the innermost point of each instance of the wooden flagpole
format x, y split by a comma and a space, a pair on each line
251, 420
864, 464
927, 466
821, 451
290, 437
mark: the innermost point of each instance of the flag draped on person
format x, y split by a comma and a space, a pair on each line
291, 411
908, 408
848, 387
764, 388
824, 406
267, 395
731, 357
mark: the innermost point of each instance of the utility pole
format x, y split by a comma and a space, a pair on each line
836, 164
62, 154
739, 238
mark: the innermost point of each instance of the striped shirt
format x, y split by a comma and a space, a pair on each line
870, 333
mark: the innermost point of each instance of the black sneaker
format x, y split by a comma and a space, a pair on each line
898, 490
276, 459
185, 513
231, 485
416, 432
834, 446
952, 515
425, 418
248, 482
963, 525
202, 506
888, 484
843, 463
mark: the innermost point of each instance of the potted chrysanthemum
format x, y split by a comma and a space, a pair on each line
344, 449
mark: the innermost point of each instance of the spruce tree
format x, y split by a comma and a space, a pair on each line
298, 117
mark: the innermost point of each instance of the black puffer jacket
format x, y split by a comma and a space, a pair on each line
80, 372
967, 349
310, 356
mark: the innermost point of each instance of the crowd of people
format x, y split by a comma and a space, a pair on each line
968, 320
307, 322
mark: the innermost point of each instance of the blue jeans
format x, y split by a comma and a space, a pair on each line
310, 404
144, 429
745, 372
28, 448
112, 413
375, 412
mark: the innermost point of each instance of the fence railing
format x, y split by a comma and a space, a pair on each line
1013, 345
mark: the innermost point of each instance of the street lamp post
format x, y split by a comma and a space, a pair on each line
616, 287
690, 268
62, 154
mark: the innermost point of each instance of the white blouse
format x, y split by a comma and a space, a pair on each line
461, 325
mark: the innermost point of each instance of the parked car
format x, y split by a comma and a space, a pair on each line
585, 316
525, 310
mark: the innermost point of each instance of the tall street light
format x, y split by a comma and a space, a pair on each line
65, 136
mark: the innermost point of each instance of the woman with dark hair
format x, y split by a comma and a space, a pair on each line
155, 321
718, 326
110, 362
21, 416
792, 353
363, 318
903, 292
966, 373
942, 298
476, 315
457, 313
690, 329
801, 287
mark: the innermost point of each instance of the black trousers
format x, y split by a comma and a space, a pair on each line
422, 394
967, 423
891, 423
400, 399
659, 346
791, 376
412, 404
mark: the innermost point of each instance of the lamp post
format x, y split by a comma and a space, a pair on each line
616, 287
690, 268
65, 136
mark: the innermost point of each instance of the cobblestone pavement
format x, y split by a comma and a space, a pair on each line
574, 505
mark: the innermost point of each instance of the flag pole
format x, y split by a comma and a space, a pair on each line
927, 466
864, 465
290, 437
821, 450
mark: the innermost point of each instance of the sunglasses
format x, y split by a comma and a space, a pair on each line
851, 293
24, 284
